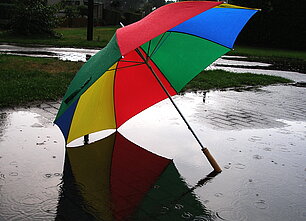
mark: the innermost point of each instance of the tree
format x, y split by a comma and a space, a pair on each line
33, 17
90, 20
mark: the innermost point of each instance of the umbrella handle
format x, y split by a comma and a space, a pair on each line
212, 160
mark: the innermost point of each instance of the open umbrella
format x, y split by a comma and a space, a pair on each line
146, 62
114, 179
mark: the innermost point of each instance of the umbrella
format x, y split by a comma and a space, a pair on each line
149, 61
115, 179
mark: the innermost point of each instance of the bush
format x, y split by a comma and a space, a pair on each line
34, 17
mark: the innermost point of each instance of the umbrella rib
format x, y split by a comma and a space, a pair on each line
125, 67
147, 56
159, 43
153, 51
138, 62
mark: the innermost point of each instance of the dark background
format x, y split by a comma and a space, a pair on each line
280, 23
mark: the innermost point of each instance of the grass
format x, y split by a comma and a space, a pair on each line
219, 79
268, 52
26, 79
69, 37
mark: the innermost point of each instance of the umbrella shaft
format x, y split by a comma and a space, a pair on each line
170, 98
210, 158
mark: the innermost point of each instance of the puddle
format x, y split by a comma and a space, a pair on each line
259, 180
25, 194
262, 156
65, 54
228, 61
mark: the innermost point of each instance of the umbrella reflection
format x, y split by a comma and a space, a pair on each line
114, 179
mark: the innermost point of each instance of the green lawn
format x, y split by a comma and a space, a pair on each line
219, 79
268, 52
68, 37
26, 79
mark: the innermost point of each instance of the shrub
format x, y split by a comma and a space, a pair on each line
34, 17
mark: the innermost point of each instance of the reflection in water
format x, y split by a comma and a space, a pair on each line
114, 179
204, 96
65, 54
3, 120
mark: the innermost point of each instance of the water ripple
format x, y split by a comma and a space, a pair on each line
261, 204
230, 214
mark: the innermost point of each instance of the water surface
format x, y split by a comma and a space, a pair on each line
263, 157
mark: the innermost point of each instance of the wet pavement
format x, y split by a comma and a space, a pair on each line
257, 135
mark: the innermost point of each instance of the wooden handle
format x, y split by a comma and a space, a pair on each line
212, 160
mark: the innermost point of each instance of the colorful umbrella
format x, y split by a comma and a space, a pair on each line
146, 62
114, 179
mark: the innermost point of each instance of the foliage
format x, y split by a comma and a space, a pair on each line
138, 6
71, 11
33, 17
83, 10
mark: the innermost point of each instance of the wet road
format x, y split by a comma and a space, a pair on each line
258, 137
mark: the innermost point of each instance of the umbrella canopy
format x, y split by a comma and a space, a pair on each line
115, 179
176, 42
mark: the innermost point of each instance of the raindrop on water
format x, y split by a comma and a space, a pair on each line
187, 215
13, 174
48, 175
240, 166
261, 204
267, 149
178, 206
164, 210
227, 167
231, 139
257, 157
218, 194
156, 187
